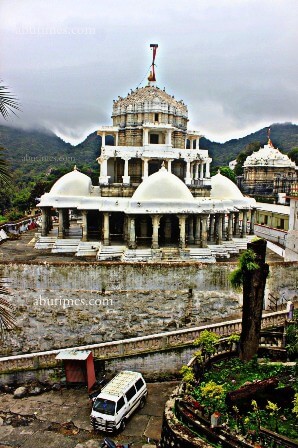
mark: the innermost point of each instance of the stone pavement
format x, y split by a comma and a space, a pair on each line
61, 419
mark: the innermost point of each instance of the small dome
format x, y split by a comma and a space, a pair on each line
162, 186
269, 156
223, 188
74, 183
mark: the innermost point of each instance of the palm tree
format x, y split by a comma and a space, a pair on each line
8, 103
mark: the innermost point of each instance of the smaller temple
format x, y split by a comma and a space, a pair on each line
269, 173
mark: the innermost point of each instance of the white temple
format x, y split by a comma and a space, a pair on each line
154, 189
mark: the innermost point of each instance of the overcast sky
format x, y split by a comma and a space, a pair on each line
233, 62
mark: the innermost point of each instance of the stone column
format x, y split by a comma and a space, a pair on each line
230, 227
116, 139
145, 167
197, 171
252, 220
126, 177
132, 233
106, 229
103, 139
197, 231
219, 228
244, 224
190, 230
60, 225
236, 225
170, 165
187, 179
211, 231
155, 225
103, 178
204, 231
207, 174
84, 226
224, 236
44, 221
202, 170
182, 220
145, 137
198, 143
169, 137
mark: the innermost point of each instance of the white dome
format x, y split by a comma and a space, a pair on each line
269, 156
223, 188
74, 183
162, 186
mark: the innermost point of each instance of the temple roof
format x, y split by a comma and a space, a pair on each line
268, 156
74, 183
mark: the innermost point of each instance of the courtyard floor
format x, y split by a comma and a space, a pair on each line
61, 419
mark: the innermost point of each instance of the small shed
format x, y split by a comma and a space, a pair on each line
79, 366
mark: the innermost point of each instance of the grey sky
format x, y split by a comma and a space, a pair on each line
233, 62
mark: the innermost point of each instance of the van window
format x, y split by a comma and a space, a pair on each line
130, 393
139, 384
104, 406
120, 404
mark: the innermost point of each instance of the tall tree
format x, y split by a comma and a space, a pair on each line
251, 275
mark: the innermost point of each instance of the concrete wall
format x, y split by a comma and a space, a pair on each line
70, 304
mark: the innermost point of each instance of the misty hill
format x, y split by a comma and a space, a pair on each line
32, 154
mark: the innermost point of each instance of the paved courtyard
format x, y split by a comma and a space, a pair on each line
60, 419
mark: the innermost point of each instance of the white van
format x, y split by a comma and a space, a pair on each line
117, 401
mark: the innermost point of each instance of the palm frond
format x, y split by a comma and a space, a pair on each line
5, 175
8, 102
7, 320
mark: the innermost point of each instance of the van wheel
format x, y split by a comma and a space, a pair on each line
123, 425
142, 402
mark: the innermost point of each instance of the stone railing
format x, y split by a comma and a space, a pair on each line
135, 346
269, 233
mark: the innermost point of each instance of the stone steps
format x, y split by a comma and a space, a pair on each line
65, 246
111, 253
87, 249
137, 255
45, 242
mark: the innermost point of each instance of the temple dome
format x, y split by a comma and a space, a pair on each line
74, 183
162, 186
269, 156
223, 188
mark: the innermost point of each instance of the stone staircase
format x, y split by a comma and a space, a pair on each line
138, 255
67, 246
170, 254
201, 254
88, 249
111, 253
45, 242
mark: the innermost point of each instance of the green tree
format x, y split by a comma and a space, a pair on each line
227, 172
293, 154
247, 151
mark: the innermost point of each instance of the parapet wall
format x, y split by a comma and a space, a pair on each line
70, 304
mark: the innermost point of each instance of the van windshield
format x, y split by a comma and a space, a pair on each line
104, 406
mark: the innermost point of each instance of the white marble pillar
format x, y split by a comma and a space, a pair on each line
103, 178
197, 171
126, 177
236, 225
182, 220
103, 139
202, 170
116, 139
219, 228
170, 165
106, 229
84, 225
230, 227
187, 179
207, 174
145, 137
155, 225
145, 167
169, 137
44, 221
204, 231
132, 233
252, 221
60, 225
244, 224
198, 143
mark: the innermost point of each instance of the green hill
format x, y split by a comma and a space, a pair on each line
40, 154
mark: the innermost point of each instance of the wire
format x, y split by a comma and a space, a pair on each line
144, 76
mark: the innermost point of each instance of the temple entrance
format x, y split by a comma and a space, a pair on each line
169, 231
94, 225
116, 227
144, 231
178, 168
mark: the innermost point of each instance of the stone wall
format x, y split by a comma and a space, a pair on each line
70, 304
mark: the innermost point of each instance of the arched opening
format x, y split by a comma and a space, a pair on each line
135, 170
178, 168
169, 231
154, 165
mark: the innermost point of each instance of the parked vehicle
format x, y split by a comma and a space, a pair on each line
118, 400
108, 443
